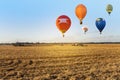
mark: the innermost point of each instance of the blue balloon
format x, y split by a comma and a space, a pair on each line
100, 24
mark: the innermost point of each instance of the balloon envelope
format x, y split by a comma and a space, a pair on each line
100, 24
109, 8
85, 29
81, 12
63, 23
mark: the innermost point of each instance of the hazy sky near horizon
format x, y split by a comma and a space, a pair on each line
34, 21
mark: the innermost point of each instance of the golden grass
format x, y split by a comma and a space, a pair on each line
56, 62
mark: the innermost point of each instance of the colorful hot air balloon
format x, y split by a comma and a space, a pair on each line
109, 8
100, 24
81, 12
85, 29
63, 23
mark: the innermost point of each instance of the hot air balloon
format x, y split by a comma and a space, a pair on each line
81, 12
63, 23
109, 8
100, 24
85, 29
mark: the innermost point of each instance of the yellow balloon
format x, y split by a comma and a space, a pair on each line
109, 8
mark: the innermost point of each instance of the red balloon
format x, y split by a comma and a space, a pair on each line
63, 23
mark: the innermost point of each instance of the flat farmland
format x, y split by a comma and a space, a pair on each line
60, 62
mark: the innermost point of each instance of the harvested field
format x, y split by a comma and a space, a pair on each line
56, 62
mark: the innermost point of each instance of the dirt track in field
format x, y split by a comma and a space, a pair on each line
55, 62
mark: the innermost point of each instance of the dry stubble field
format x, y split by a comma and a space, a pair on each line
56, 62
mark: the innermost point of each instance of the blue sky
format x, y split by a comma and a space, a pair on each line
34, 20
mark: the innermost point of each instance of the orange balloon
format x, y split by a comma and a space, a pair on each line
81, 12
63, 23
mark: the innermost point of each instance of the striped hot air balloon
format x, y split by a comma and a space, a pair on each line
109, 8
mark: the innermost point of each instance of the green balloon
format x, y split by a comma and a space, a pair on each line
109, 8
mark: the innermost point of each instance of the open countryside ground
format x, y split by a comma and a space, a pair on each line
56, 62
